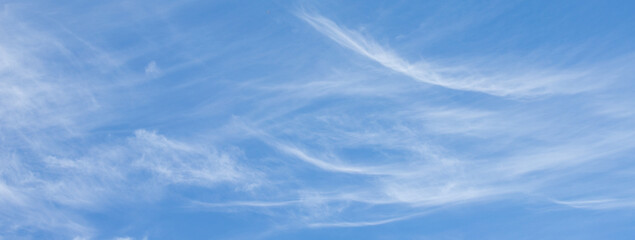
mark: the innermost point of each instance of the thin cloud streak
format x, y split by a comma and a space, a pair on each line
521, 84
245, 204
363, 223
598, 204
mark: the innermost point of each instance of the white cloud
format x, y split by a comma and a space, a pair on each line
152, 69
504, 83
111, 175
376, 151
362, 223
598, 204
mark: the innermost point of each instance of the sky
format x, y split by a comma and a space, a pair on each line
143, 120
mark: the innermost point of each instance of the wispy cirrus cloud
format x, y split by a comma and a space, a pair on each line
55, 89
109, 175
515, 83
598, 204
210, 122
411, 162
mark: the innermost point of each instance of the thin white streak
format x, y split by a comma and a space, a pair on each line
319, 163
246, 204
521, 84
302, 155
598, 204
362, 223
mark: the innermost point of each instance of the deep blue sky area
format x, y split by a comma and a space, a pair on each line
144, 120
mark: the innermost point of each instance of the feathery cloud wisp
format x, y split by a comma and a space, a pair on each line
520, 84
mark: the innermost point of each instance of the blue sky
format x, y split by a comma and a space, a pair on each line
315, 120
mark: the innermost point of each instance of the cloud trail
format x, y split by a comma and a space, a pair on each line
519, 84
